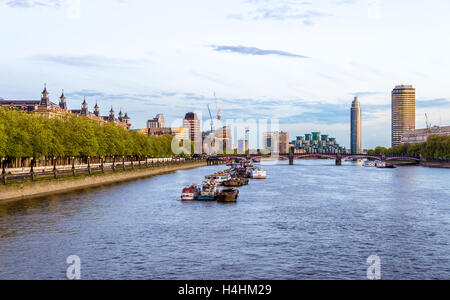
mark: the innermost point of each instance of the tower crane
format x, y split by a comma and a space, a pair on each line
427, 122
219, 117
210, 116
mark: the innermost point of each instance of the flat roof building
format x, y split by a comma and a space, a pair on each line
421, 135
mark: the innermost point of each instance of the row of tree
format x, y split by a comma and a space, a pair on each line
436, 147
25, 135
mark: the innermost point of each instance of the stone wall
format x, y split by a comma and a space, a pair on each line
17, 191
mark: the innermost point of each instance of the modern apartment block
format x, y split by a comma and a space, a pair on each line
403, 112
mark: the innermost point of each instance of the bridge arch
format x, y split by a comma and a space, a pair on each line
319, 155
376, 157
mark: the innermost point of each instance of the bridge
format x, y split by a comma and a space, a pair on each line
338, 157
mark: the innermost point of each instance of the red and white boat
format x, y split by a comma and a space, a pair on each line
257, 173
191, 192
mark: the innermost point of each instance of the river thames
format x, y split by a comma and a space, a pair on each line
309, 221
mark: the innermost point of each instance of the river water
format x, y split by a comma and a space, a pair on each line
309, 221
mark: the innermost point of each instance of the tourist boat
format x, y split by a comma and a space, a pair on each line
384, 165
369, 163
208, 192
219, 178
190, 192
228, 195
257, 173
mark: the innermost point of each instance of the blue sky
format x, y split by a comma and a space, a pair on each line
301, 62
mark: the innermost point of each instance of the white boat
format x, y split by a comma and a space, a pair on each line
257, 173
381, 164
384, 165
370, 164
218, 178
190, 192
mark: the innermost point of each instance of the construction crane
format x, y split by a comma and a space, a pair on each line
210, 116
219, 117
427, 122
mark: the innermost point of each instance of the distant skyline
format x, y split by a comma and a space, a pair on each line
297, 61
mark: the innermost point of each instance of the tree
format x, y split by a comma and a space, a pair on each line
3, 140
25, 135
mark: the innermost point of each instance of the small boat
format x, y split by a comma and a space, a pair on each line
218, 178
248, 164
384, 165
209, 191
228, 195
236, 182
370, 164
190, 192
257, 173
241, 172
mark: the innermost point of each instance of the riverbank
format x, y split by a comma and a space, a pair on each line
48, 186
435, 164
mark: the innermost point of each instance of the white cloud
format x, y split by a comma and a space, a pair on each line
140, 47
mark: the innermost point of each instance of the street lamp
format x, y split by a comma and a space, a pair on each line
73, 165
3, 166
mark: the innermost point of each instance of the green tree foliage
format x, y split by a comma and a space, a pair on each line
3, 140
32, 135
437, 147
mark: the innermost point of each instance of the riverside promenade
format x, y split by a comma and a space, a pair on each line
17, 190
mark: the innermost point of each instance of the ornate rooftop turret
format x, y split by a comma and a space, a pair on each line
84, 107
62, 101
96, 110
120, 115
45, 101
111, 114
44, 92
126, 119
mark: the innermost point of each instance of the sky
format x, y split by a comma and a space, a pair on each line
299, 62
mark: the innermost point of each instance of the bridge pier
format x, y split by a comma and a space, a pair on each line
339, 159
291, 159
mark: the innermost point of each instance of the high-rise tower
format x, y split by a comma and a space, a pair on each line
192, 122
403, 112
355, 124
